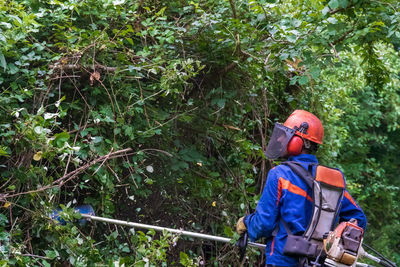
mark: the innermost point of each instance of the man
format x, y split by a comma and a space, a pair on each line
286, 203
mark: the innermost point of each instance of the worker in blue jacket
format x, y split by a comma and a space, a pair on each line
286, 197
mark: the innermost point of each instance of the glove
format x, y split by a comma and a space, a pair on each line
240, 226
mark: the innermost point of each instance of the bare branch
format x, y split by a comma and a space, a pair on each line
69, 176
58, 66
35, 256
233, 8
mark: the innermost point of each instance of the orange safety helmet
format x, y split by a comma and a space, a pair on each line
314, 131
288, 139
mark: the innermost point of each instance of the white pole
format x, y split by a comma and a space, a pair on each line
373, 258
160, 229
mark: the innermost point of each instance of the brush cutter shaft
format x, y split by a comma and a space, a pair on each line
369, 256
160, 229
377, 260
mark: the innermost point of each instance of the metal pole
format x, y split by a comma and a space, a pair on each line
369, 256
378, 260
160, 229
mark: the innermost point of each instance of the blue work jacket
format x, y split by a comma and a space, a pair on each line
286, 195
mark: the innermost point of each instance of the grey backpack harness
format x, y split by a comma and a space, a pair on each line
328, 187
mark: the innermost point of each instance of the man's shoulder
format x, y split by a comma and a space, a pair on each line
280, 170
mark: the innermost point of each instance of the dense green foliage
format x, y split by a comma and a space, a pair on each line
159, 111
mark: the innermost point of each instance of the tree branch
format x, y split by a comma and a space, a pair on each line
69, 176
58, 66
233, 8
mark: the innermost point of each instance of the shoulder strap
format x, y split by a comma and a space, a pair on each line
307, 178
301, 172
275, 232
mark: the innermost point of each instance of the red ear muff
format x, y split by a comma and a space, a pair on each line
295, 146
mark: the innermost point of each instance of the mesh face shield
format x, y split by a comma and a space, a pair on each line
277, 144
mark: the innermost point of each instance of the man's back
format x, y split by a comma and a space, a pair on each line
286, 197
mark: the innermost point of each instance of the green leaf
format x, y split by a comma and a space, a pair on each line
3, 152
343, 3
11, 187
61, 138
249, 180
51, 254
148, 181
334, 4
129, 40
184, 259
303, 80
118, 2
97, 139
315, 72
325, 10
291, 38
283, 56
293, 80
228, 231
3, 62
125, 249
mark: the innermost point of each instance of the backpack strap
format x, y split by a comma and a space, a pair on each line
300, 171
284, 223
306, 176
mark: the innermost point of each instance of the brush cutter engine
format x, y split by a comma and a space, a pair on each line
342, 245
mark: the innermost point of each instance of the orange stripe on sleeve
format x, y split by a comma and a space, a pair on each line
285, 184
272, 246
279, 191
347, 195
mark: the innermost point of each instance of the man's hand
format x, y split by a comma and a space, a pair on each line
240, 226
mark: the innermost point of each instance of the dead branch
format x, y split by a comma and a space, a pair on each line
35, 256
58, 66
69, 176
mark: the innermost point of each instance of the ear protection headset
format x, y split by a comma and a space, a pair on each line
295, 145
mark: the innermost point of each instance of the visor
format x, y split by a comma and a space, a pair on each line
277, 144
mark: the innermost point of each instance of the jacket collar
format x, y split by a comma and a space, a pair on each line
304, 158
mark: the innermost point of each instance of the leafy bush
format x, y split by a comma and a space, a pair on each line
159, 112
